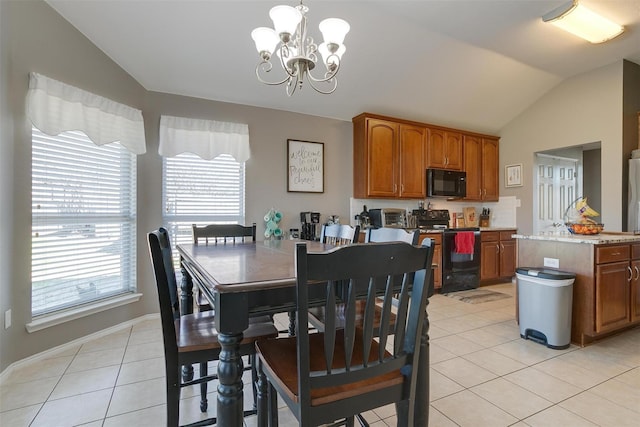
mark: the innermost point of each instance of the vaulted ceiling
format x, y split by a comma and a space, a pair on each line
470, 64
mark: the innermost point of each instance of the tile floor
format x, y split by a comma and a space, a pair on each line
482, 374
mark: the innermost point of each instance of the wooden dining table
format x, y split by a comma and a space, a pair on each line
247, 279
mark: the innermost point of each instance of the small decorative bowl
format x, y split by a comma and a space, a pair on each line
584, 228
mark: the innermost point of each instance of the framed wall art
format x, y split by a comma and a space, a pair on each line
305, 166
513, 175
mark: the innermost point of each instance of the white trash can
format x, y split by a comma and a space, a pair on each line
545, 298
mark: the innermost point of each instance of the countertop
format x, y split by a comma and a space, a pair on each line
597, 239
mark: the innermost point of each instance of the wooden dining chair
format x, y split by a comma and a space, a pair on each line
190, 338
324, 377
339, 234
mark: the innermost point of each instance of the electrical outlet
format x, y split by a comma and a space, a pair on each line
552, 262
7, 319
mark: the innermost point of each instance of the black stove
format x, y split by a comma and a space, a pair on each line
431, 219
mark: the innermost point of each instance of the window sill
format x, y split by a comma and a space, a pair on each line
77, 313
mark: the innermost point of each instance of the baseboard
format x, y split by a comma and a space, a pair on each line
58, 349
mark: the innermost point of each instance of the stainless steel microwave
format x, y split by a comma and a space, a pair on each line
446, 183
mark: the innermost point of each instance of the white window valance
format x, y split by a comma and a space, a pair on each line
206, 138
55, 107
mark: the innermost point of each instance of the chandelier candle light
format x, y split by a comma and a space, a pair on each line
297, 52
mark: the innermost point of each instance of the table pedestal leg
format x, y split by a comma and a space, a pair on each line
230, 393
186, 307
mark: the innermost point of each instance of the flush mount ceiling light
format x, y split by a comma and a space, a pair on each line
582, 22
297, 52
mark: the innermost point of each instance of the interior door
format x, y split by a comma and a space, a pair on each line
556, 189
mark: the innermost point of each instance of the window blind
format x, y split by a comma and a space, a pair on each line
197, 191
83, 221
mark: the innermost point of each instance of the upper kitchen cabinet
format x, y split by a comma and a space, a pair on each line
481, 166
388, 158
444, 149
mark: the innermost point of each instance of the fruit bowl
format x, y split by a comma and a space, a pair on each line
584, 228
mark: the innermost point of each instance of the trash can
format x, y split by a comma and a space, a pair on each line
544, 305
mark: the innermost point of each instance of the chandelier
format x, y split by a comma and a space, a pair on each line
297, 52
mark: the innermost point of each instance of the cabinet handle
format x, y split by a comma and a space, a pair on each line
484, 192
395, 188
630, 274
501, 247
635, 267
402, 187
497, 249
615, 253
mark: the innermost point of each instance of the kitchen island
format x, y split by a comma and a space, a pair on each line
606, 292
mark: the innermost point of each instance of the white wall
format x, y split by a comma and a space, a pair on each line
581, 110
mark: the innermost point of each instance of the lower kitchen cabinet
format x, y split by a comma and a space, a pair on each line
437, 257
497, 255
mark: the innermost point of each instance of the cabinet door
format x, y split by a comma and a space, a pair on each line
489, 260
436, 149
453, 151
412, 155
490, 173
473, 167
612, 296
635, 291
507, 258
382, 158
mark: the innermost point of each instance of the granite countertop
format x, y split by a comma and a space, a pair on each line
596, 239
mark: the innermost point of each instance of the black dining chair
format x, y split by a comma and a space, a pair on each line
190, 338
334, 375
339, 234
388, 234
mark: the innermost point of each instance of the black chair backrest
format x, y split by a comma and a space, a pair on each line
373, 272
223, 231
160, 252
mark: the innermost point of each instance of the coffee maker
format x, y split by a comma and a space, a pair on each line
310, 225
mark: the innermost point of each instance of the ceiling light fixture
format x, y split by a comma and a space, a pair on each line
297, 52
582, 22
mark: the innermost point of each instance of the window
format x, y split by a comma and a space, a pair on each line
83, 221
197, 191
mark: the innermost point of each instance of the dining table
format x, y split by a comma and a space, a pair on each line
246, 279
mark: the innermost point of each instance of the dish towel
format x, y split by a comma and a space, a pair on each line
464, 241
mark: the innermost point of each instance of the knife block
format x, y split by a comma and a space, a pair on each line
484, 221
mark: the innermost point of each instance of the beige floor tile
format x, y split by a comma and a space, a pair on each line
74, 410
457, 345
468, 409
437, 419
508, 329
107, 342
86, 381
483, 338
145, 336
439, 354
136, 396
65, 351
600, 411
463, 323
96, 359
494, 362
14, 396
441, 386
496, 316
464, 372
46, 368
511, 398
21, 417
436, 332
150, 350
557, 416
631, 378
544, 385
619, 393
140, 371
526, 351
148, 324
594, 362
573, 374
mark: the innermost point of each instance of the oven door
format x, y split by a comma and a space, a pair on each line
460, 271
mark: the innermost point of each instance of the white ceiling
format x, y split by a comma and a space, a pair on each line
470, 64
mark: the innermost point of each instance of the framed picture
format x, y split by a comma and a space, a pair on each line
513, 175
305, 166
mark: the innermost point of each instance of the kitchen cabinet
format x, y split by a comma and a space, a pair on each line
437, 257
481, 165
389, 159
444, 149
497, 255
606, 291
